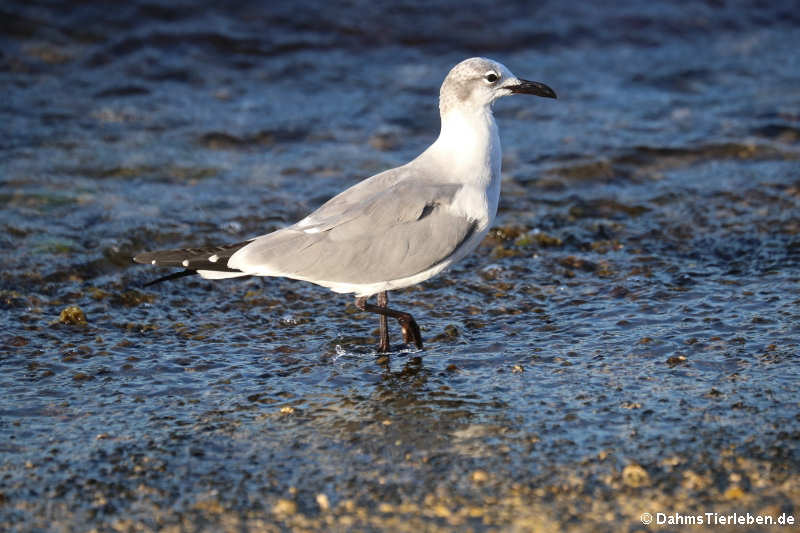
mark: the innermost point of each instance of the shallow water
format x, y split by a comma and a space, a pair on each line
626, 340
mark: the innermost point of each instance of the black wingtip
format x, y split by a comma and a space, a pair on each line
170, 277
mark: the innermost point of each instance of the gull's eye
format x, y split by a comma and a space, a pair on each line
491, 77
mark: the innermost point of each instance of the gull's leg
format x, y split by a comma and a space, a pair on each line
411, 333
383, 301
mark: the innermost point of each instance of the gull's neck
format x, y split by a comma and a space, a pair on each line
468, 147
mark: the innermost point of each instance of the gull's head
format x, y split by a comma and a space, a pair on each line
477, 82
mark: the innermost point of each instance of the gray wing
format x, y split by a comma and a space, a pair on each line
346, 204
395, 233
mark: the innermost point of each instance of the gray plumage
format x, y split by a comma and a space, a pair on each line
373, 234
399, 227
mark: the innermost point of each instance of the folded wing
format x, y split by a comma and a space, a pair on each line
395, 233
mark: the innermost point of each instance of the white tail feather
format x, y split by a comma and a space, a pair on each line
213, 274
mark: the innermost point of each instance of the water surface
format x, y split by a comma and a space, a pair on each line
626, 340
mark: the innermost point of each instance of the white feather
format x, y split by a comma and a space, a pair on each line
213, 274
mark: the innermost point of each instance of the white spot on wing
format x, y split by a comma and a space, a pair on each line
214, 258
153, 262
185, 262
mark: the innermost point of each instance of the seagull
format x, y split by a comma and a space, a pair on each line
397, 228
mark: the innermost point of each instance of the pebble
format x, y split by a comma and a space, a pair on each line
479, 476
635, 476
323, 502
284, 507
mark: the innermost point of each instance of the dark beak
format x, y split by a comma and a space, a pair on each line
532, 87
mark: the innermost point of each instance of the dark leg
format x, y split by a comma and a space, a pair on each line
411, 333
383, 301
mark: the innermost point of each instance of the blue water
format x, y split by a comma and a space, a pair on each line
637, 303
